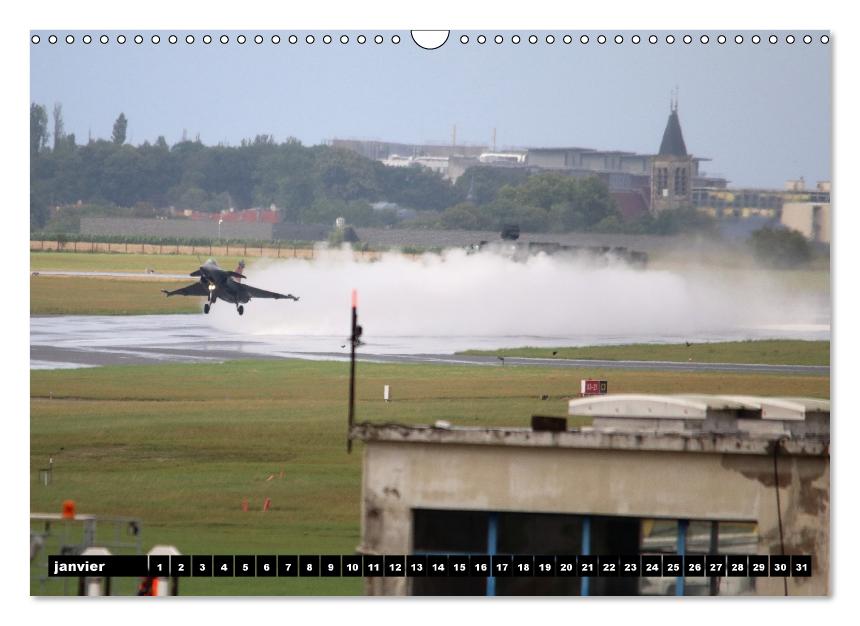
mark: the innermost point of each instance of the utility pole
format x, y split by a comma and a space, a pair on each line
354, 341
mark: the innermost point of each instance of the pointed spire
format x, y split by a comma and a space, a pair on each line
673, 139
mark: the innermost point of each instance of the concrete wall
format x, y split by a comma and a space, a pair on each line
301, 232
399, 477
461, 238
810, 218
392, 237
174, 228
545, 158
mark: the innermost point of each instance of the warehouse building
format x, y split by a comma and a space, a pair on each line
734, 475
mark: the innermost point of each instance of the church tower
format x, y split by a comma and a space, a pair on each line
672, 169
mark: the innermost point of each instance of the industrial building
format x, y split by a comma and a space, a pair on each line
651, 475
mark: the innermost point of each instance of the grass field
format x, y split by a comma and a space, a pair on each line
180, 446
72, 295
79, 295
777, 352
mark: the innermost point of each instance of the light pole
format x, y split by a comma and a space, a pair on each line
220, 219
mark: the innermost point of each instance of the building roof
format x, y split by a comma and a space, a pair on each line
686, 413
560, 149
591, 438
673, 139
722, 424
696, 406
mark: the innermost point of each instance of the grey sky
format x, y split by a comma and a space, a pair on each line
762, 112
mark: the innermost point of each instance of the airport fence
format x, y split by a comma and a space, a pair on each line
276, 249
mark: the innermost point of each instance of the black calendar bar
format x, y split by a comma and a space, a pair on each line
431, 565
330, 565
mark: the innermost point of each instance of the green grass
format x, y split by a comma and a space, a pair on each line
770, 352
71, 295
180, 446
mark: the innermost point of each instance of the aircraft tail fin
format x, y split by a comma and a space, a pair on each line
239, 269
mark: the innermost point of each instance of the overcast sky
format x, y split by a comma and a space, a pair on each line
761, 112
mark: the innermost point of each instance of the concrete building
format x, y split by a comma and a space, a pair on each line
438, 164
810, 218
707, 475
381, 150
744, 202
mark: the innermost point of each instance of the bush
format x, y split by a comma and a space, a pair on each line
672, 222
780, 247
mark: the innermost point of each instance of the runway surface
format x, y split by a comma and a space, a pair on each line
87, 341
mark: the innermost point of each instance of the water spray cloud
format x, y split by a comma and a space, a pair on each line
486, 295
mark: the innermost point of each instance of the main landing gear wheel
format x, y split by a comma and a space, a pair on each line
241, 309
206, 308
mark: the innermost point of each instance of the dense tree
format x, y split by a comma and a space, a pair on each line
416, 187
314, 184
38, 129
466, 216
780, 247
58, 125
553, 201
119, 129
481, 184
38, 211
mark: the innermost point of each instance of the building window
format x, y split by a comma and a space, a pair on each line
681, 181
506, 533
662, 180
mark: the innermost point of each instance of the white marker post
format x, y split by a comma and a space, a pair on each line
94, 585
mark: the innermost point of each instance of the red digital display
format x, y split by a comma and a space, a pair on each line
590, 387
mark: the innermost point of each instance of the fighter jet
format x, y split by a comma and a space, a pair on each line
216, 283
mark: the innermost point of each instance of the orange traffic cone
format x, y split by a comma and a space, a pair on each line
245, 504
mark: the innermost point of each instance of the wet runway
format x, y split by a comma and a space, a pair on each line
87, 341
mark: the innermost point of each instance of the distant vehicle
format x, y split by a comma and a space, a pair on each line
217, 283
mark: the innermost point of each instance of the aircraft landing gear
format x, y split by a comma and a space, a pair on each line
206, 308
241, 309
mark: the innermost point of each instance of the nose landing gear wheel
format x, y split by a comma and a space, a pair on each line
241, 309
206, 308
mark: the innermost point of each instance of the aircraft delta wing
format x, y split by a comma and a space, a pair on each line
216, 283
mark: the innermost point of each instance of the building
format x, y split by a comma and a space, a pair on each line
438, 164
381, 150
268, 216
812, 219
652, 475
672, 169
640, 183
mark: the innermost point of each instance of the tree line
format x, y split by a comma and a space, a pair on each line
308, 184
